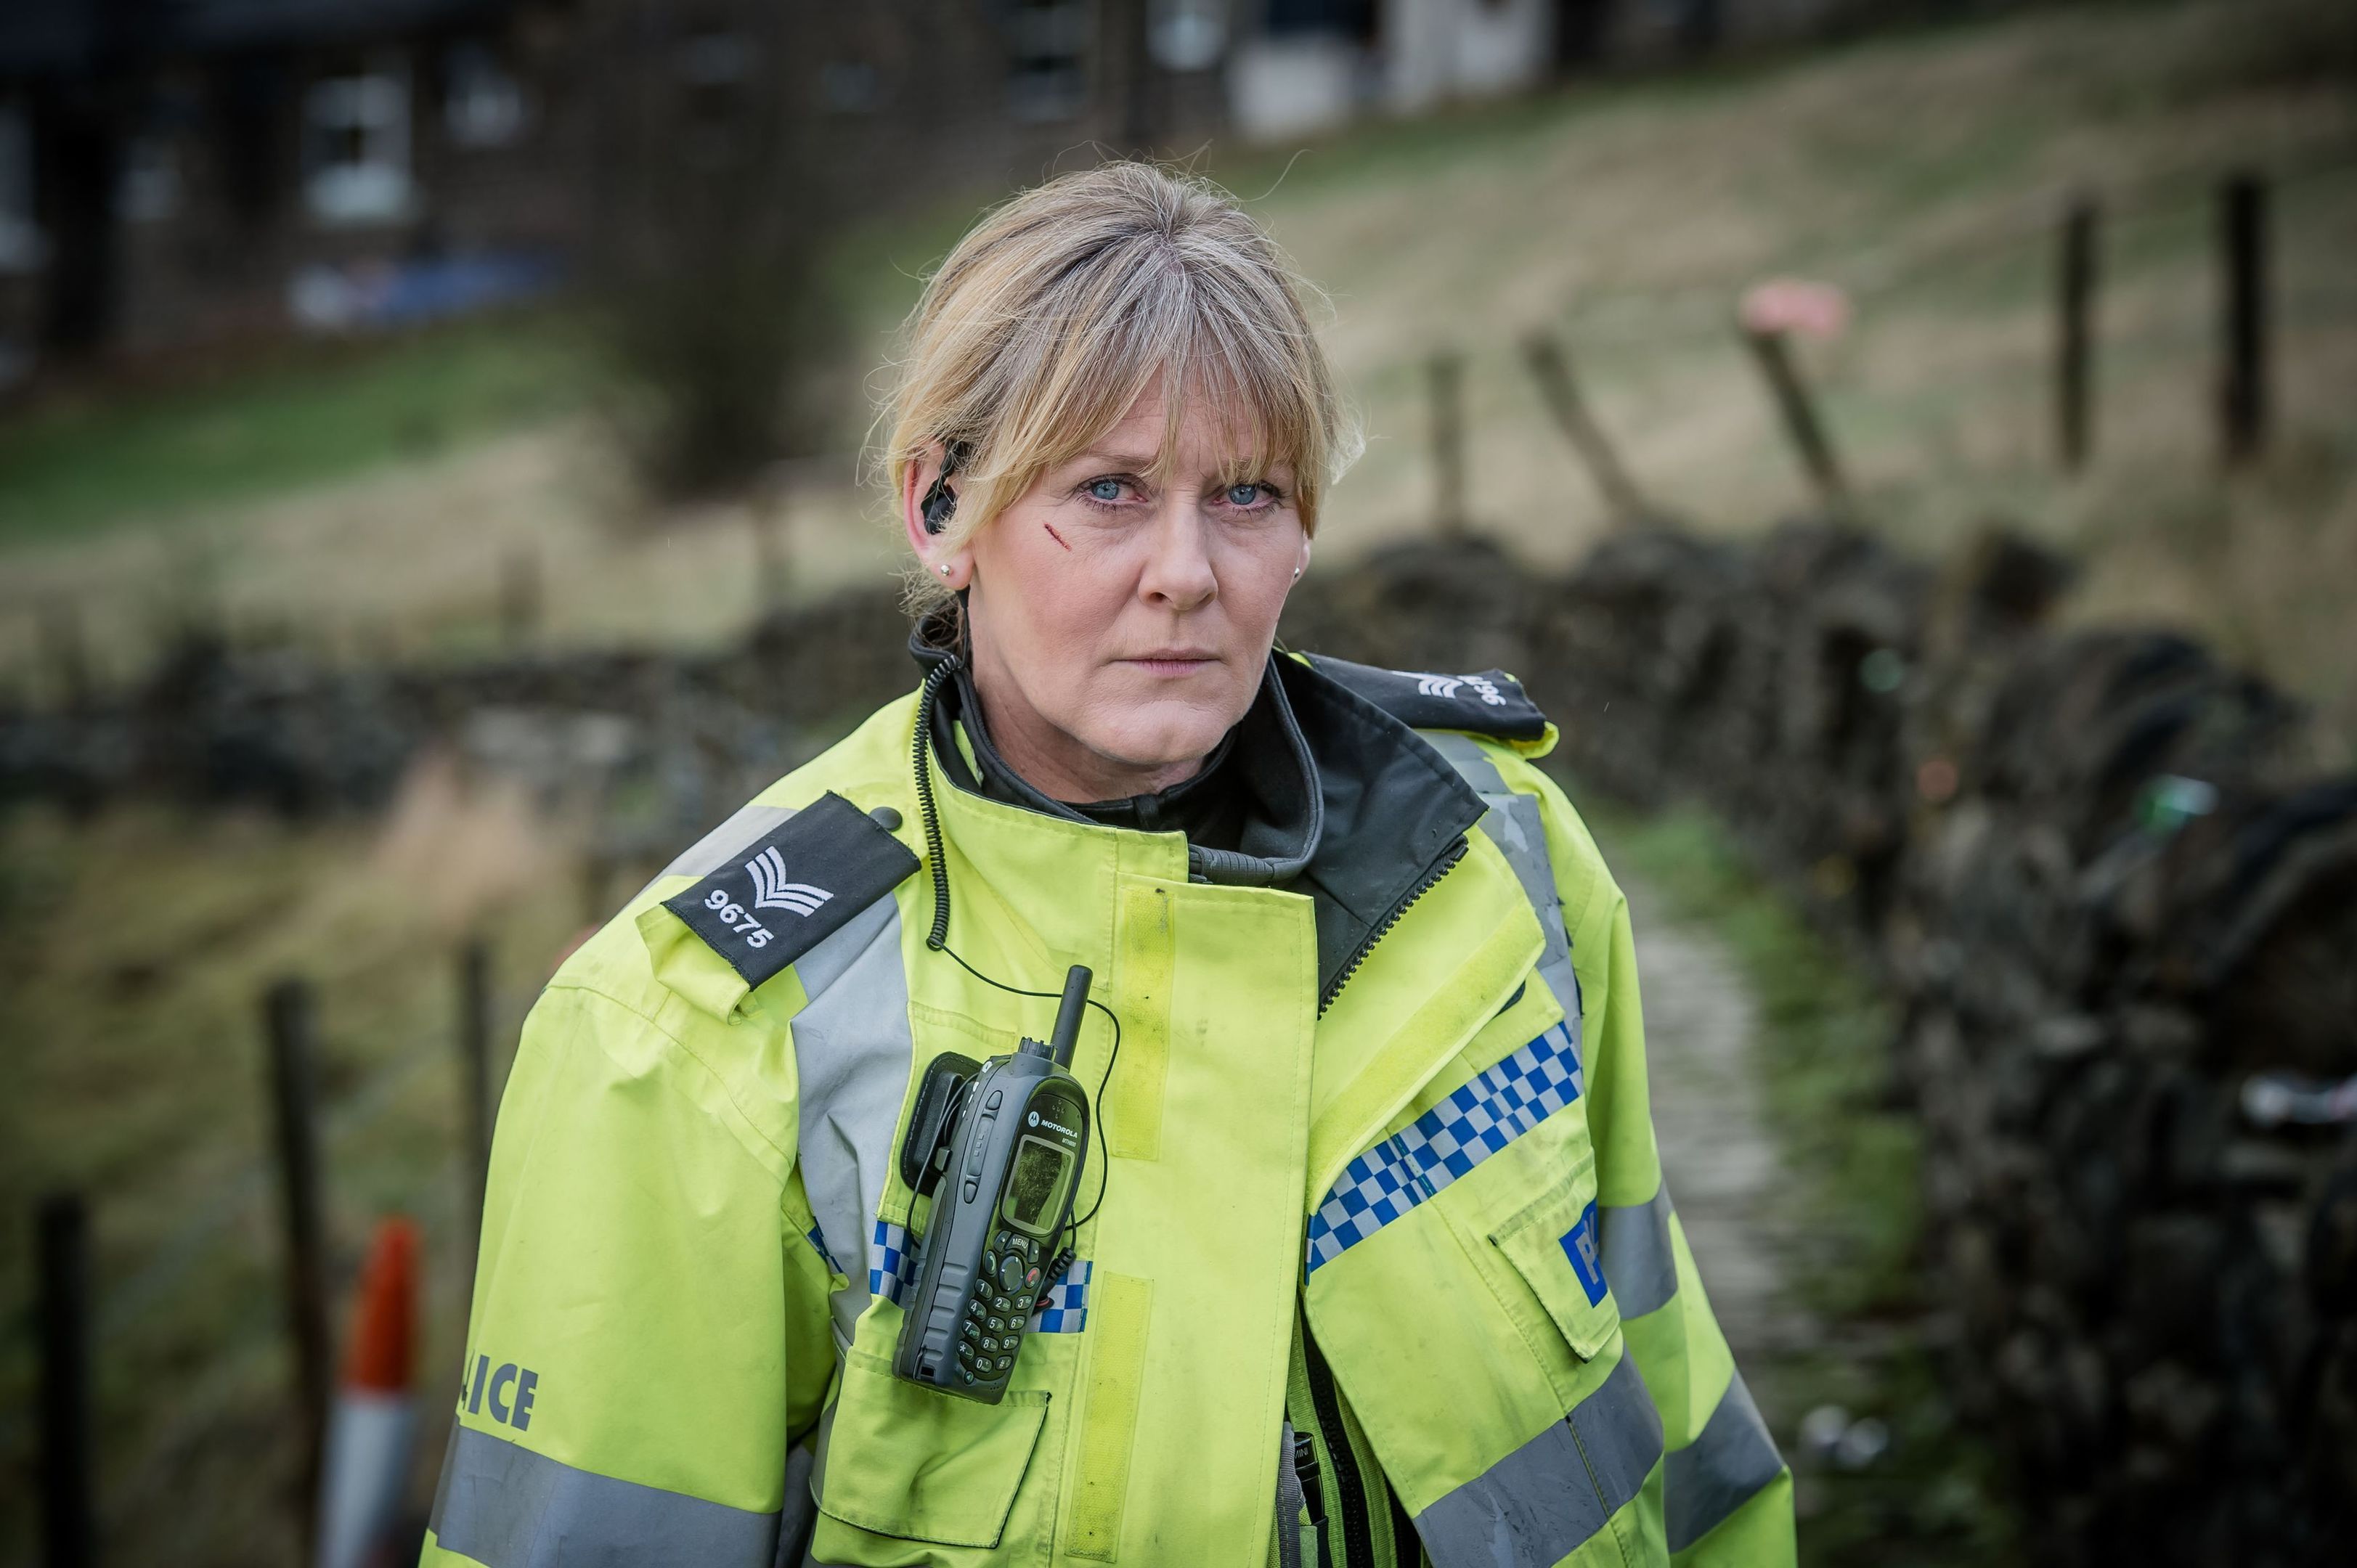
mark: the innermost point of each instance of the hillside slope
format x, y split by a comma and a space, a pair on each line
1922, 173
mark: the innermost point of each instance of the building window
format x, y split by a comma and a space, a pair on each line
1188, 35
148, 190
356, 145
1048, 70
849, 87
716, 59
22, 249
1335, 19
482, 105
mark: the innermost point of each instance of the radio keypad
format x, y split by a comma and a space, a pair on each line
1006, 1290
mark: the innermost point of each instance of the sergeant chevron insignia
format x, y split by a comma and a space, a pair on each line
795, 886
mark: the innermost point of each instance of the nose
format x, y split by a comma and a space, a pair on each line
1178, 575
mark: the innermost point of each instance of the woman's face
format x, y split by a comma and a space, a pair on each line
1121, 624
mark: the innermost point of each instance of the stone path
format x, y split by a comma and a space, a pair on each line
1702, 1034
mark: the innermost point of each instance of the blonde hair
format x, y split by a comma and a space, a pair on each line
1043, 326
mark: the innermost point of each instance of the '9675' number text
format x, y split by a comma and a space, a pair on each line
734, 915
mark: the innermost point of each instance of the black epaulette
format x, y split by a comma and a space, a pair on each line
786, 891
1491, 702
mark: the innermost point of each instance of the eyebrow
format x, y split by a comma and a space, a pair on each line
1143, 462
1138, 460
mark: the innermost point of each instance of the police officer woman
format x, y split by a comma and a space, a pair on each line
1371, 1262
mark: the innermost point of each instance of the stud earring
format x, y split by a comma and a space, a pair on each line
945, 571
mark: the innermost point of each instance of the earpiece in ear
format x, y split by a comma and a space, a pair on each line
941, 501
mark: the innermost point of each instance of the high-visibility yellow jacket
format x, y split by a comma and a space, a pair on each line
1399, 1192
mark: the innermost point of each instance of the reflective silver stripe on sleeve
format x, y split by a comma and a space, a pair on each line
852, 1049
1728, 1461
506, 1507
710, 852
1639, 1263
1519, 830
1534, 1507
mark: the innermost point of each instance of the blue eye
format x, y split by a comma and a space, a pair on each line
1244, 495
1105, 489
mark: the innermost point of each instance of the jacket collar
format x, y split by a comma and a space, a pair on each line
1342, 801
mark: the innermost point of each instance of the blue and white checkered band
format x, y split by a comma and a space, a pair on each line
818, 1240
892, 1261
1484, 1114
1067, 1311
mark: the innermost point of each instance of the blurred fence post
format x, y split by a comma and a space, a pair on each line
475, 1079
769, 555
1552, 370
66, 651
290, 1017
69, 1537
519, 597
2076, 339
1137, 116
1446, 374
1774, 353
2243, 385
597, 868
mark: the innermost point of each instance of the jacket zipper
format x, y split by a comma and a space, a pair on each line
1358, 1540
1438, 869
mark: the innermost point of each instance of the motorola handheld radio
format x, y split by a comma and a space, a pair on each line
999, 1146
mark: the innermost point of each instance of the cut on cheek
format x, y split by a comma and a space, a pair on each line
1053, 534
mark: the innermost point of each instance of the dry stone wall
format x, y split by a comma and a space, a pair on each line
2104, 874
2118, 899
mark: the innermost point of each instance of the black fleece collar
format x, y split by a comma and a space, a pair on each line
1321, 791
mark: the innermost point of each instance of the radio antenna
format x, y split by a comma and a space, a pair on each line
1069, 1013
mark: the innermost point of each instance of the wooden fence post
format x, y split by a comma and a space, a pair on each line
289, 1015
2243, 385
769, 555
66, 651
1552, 370
521, 598
1774, 355
596, 881
69, 1536
2075, 336
1133, 25
475, 1079
1446, 374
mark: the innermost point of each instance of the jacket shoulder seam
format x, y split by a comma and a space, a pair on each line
727, 1091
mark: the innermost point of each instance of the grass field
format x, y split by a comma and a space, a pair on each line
78, 463
1922, 173
134, 953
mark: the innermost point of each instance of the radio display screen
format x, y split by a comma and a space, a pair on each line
1035, 1187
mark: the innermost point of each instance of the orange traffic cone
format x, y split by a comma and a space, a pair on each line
375, 1418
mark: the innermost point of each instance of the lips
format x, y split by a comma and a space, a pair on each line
1173, 660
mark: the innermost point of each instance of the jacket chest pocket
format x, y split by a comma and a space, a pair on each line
912, 1464
1542, 1259
1553, 1245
